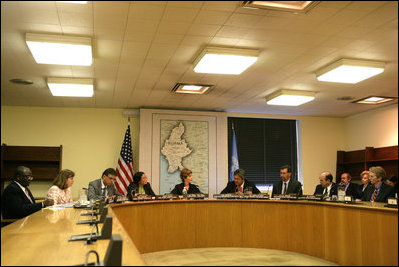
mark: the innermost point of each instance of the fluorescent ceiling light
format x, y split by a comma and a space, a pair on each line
73, 2
219, 60
374, 100
60, 49
286, 97
293, 6
75, 87
350, 71
186, 88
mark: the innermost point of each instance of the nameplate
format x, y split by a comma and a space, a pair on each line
166, 197
236, 196
348, 198
287, 197
392, 201
311, 197
257, 196
195, 196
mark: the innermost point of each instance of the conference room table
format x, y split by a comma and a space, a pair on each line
348, 234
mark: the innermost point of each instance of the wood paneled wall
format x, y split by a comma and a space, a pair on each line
345, 234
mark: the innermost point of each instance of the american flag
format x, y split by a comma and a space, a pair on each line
125, 164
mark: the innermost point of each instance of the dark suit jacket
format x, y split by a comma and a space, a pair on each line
147, 189
319, 190
386, 191
294, 187
231, 187
352, 190
360, 191
95, 191
178, 190
15, 204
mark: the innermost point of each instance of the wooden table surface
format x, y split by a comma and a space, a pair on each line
42, 239
360, 234
348, 234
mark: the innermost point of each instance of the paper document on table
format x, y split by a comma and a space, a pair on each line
61, 206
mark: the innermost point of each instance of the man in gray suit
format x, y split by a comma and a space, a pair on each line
103, 187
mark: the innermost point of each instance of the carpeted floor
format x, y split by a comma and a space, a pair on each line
232, 257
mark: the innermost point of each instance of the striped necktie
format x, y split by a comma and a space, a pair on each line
374, 195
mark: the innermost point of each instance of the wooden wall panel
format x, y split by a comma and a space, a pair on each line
336, 232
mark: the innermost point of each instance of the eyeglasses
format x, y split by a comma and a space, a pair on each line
30, 177
112, 178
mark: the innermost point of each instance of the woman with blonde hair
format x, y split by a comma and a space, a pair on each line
60, 192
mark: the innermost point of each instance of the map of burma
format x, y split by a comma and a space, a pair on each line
175, 149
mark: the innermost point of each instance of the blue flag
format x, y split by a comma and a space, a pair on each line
234, 157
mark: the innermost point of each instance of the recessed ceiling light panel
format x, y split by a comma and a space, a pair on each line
217, 60
60, 49
291, 6
72, 87
373, 100
73, 2
186, 88
285, 97
350, 71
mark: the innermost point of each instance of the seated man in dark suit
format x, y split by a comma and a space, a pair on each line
379, 191
350, 188
103, 187
286, 185
17, 201
392, 181
239, 184
326, 188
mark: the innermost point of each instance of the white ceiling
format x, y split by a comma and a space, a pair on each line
143, 48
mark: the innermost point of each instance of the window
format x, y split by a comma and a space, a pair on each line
263, 146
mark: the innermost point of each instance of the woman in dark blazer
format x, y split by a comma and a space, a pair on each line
186, 185
139, 186
365, 184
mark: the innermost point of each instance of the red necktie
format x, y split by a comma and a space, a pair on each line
27, 194
374, 195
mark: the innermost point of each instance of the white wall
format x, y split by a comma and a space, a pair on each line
376, 128
91, 138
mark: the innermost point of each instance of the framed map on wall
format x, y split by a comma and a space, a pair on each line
184, 144
173, 140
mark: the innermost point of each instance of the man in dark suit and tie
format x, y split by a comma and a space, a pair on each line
379, 191
240, 184
350, 188
326, 188
286, 185
103, 187
17, 201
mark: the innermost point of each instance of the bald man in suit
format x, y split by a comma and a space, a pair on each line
17, 200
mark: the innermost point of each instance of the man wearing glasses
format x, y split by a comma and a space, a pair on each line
104, 187
17, 201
